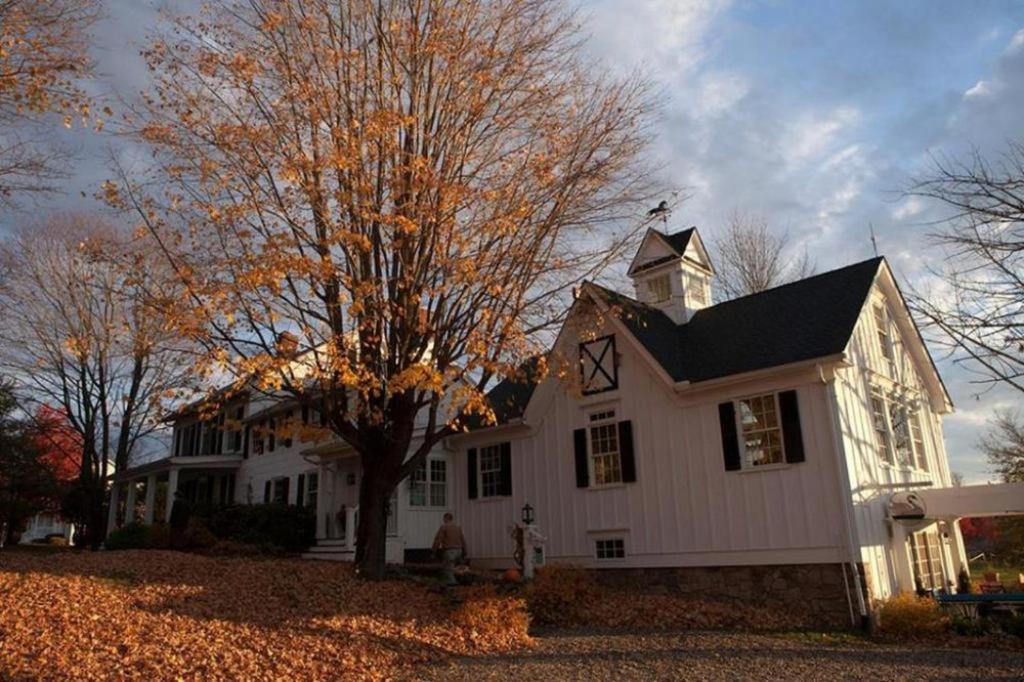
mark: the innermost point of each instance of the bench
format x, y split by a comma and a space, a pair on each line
975, 605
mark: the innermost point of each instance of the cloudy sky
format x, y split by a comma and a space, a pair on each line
813, 115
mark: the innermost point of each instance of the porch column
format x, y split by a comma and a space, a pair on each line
129, 510
172, 488
947, 542
150, 498
321, 502
901, 558
350, 528
112, 513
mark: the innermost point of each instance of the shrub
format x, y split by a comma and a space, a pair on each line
159, 536
197, 535
486, 616
969, 627
560, 593
129, 536
290, 528
1014, 625
907, 616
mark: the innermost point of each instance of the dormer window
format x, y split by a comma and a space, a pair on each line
659, 288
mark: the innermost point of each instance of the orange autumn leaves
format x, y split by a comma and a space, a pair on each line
167, 615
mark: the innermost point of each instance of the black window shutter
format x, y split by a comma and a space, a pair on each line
287, 481
266, 493
791, 435
301, 488
506, 469
305, 414
730, 444
626, 451
579, 438
471, 472
245, 443
273, 436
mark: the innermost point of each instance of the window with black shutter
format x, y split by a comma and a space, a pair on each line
266, 492
471, 481
493, 466
300, 490
761, 430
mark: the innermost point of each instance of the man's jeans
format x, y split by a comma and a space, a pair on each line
451, 558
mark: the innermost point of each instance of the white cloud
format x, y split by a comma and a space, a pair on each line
1016, 42
813, 135
718, 93
982, 88
908, 209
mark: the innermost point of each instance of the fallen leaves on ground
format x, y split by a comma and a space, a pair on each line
158, 615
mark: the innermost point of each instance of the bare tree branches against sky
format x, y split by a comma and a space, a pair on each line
813, 115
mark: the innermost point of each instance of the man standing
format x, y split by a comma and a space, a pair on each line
451, 544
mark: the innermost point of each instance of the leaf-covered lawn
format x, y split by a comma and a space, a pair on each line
164, 615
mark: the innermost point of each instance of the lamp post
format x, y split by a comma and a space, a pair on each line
532, 543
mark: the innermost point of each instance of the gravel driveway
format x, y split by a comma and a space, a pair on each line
723, 656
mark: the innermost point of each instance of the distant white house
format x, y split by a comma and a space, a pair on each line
47, 524
781, 446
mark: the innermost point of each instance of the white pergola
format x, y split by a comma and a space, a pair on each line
912, 511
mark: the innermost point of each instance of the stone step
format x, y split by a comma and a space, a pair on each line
336, 555
330, 542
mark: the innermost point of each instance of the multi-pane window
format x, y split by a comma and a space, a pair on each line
428, 486
760, 431
257, 438
289, 425
660, 289
312, 489
926, 548
279, 494
606, 463
917, 437
236, 435
610, 548
900, 433
882, 441
884, 338
490, 471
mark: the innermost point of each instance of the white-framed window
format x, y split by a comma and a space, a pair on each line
605, 458
883, 443
917, 437
760, 431
885, 345
610, 548
428, 485
659, 288
900, 433
490, 471
279, 490
312, 489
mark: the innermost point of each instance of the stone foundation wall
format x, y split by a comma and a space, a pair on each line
816, 590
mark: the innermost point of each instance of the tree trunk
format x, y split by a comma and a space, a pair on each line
371, 535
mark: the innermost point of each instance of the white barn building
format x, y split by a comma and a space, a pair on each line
750, 448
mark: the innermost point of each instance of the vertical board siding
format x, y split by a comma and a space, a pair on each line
683, 504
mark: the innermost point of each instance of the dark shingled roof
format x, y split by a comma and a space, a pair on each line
679, 240
807, 319
509, 398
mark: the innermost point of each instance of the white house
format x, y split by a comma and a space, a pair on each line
752, 448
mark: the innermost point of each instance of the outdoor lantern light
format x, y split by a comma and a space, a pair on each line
527, 514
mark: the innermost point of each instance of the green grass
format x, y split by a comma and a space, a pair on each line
1007, 573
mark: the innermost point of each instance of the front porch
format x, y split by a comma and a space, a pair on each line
202, 479
338, 477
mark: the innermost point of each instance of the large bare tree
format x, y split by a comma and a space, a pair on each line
750, 257
43, 54
81, 332
375, 206
976, 310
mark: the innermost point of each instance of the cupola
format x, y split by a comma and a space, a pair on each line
672, 272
